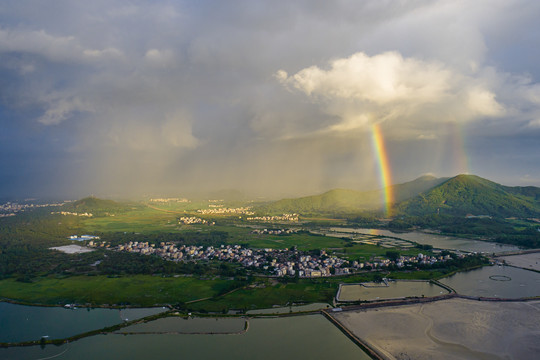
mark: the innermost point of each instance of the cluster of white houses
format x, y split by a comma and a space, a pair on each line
190, 220
284, 217
274, 231
277, 262
11, 208
222, 211
65, 213
167, 200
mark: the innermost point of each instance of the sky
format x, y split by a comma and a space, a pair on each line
272, 98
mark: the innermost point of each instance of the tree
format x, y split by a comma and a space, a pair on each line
392, 255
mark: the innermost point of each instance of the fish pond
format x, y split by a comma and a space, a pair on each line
388, 290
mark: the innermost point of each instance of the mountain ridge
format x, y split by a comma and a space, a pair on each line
426, 195
347, 200
471, 194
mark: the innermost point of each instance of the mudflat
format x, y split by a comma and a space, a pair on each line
450, 329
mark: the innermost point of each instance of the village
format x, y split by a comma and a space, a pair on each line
272, 262
12, 208
221, 211
191, 220
284, 217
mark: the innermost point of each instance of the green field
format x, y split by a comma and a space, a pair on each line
303, 291
279, 294
139, 290
145, 220
146, 290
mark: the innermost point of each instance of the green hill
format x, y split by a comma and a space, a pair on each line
412, 188
469, 194
96, 206
350, 201
337, 200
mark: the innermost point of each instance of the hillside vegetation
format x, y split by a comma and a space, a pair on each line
469, 194
350, 201
97, 206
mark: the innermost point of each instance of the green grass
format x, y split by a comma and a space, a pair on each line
141, 290
145, 220
303, 291
145, 290
302, 241
280, 294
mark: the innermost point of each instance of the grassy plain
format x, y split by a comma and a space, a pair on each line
140, 290
266, 297
145, 220
302, 291
146, 290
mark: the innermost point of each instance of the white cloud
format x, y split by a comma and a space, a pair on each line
61, 109
54, 48
105, 53
159, 58
410, 94
380, 79
483, 102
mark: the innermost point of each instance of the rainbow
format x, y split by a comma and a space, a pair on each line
460, 155
384, 169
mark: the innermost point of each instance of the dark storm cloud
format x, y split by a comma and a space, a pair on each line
128, 98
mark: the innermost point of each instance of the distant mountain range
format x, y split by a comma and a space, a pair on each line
427, 195
459, 196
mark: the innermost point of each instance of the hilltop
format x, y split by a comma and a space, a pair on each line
96, 206
470, 194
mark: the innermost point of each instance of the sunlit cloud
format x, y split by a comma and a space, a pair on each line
406, 92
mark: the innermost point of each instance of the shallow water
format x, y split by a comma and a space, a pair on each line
25, 323
492, 281
299, 337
